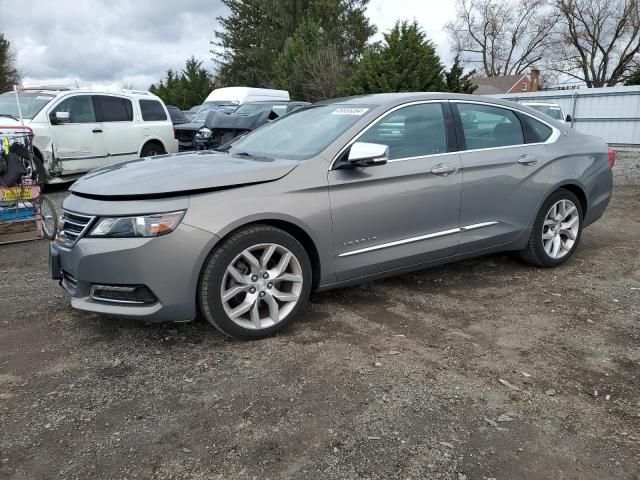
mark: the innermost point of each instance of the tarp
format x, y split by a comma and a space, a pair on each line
232, 121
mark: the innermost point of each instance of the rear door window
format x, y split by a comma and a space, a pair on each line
534, 130
113, 109
152, 110
413, 131
486, 126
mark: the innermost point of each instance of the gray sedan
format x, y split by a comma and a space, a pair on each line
336, 193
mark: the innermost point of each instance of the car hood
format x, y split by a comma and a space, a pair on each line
189, 126
10, 122
171, 175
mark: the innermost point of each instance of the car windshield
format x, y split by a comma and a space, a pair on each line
201, 116
302, 134
551, 110
30, 103
176, 115
218, 103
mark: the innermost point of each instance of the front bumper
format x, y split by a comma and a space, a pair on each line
169, 266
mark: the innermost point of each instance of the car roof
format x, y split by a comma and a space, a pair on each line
392, 99
549, 104
60, 91
268, 102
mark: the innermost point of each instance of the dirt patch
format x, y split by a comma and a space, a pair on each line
486, 368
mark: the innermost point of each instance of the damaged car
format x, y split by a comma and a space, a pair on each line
336, 193
186, 132
220, 128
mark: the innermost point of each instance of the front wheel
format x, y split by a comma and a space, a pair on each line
255, 283
556, 231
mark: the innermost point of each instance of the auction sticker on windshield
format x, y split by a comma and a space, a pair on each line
350, 111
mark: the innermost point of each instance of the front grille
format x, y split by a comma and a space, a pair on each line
72, 227
185, 135
69, 282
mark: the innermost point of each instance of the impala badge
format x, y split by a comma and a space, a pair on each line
360, 241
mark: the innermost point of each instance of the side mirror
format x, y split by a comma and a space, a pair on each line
568, 119
60, 118
364, 154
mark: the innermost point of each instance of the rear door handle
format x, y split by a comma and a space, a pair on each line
444, 169
527, 160
97, 130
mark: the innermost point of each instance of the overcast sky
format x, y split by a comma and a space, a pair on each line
111, 42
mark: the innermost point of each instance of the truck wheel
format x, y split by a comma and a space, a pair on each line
152, 149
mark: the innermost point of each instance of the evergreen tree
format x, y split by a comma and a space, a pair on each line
406, 61
9, 75
634, 78
458, 81
253, 36
196, 82
186, 89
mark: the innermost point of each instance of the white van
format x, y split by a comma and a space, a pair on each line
234, 96
551, 109
77, 130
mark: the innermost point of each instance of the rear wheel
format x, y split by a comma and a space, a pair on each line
255, 283
152, 149
556, 231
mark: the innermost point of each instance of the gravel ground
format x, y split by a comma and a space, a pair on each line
482, 369
627, 168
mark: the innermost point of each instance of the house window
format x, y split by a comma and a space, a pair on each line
523, 86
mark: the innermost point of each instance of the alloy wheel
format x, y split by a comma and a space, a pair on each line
261, 286
560, 229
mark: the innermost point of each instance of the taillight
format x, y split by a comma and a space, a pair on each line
175, 135
612, 157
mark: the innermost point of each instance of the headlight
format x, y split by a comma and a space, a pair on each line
140, 226
204, 132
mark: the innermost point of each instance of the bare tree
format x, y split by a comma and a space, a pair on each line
598, 40
324, 74
502, 37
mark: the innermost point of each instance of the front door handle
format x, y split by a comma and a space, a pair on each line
97, 130
444, 169
527, 160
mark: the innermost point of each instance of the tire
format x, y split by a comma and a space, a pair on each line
541, 252
237, 268
41, 172
151, 149
49, 226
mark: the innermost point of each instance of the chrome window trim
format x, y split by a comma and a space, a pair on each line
380, 117
417, 239
555, 135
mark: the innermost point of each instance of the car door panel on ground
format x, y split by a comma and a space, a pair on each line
77, 143
406, 211
121, 137
505, 171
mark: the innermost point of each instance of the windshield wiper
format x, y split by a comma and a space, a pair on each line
243, 154
8, 115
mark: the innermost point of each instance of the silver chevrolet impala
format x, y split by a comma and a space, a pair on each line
339, 192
